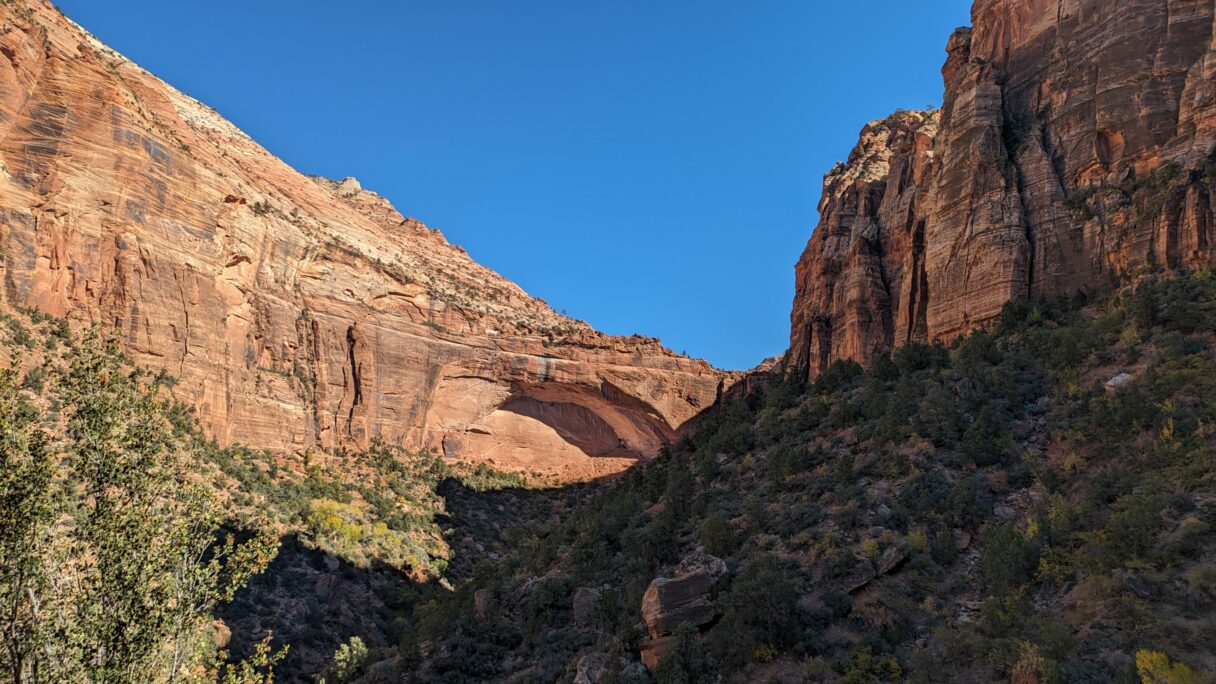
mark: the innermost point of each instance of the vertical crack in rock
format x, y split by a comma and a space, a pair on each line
918, 298
356, 381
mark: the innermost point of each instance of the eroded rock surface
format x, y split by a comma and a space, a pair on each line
296, 312
1075, 146
673, 601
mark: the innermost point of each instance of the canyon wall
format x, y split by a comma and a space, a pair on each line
295, 312
1076, 146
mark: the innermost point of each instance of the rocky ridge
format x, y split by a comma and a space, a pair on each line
295, 312
1076, 146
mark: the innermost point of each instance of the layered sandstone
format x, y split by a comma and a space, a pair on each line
296, 312
1075, 146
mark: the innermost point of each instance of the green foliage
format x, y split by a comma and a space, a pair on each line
1008, 560
348, 664
27, 512
864, 667
987, 442
760, 613
110, 556
379, 505
717, 536
686, 662
837, 376
1051, 525
1156, 668
258, 668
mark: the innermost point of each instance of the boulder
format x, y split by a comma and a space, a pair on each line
699, 561
1118, 382
653, 650
671, 602
859, 577
592, 668
1006, 513
892, 559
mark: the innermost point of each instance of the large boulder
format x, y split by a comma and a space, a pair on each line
671, 602
892, 559
653, 651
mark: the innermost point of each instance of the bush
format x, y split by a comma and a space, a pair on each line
685, 662
864, 667
759, 610
717, 536
111, 560
1156, 668
987, 441
1008, 560
348, 663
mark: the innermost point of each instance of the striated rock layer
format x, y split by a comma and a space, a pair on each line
296, 312
1075, 147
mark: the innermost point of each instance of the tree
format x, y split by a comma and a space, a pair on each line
111, 560
987, 442
760, 612
1008, 559
864, 667
257, 668
26, 516
349, 661
1156, 668
685, 662
717, 536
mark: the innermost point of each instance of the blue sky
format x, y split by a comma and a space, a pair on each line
649, 167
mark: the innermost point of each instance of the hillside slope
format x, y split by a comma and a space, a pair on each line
296, 312
1033, 504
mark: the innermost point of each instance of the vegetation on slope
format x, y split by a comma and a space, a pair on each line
124, 531
110, 557
1035, 502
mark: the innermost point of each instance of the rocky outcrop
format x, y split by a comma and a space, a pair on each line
1075, 146
682, 599
295, 312
670, 602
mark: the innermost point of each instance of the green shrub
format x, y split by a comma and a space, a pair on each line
1008, 559
717, 535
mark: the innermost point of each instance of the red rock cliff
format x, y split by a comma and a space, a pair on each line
296, 312
1075, 145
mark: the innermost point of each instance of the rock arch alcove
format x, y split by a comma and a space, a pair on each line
579, 431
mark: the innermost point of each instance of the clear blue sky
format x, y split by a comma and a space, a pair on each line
649, 166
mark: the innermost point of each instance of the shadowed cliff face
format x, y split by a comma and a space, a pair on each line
1075, 146
296, 312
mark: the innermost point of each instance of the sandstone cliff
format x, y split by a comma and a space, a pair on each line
296, 312
1075, 146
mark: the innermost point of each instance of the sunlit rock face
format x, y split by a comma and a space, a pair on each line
296, 312
1074, 147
